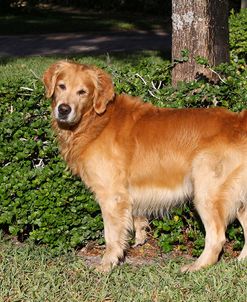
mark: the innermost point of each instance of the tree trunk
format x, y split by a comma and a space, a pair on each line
243, 3
201, 27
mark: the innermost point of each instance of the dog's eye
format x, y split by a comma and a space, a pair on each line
81, 92
62, 86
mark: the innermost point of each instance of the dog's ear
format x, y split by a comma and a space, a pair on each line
104, 90
50, 76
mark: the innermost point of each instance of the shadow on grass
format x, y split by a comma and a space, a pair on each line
49, 31
60, 19
84, 43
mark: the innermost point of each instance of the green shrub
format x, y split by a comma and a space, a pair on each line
182, 230
39, 198
238, 34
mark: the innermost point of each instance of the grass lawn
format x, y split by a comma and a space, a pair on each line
32, 67
30, 273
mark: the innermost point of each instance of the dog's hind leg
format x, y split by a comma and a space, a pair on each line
140, 226
217, 193
242, 217
215, 226
118, 222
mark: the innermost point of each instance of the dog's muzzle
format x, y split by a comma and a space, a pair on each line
63, 111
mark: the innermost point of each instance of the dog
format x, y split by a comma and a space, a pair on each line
141, 160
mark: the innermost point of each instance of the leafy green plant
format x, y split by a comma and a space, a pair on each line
39, 198
238, 34
180, 230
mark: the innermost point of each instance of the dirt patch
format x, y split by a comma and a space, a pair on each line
149, 253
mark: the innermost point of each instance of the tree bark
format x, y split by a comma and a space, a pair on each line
243, 3
201, 27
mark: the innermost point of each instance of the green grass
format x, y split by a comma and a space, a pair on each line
13, 69
30, 273
52, 21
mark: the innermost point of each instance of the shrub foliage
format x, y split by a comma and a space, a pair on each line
40, 199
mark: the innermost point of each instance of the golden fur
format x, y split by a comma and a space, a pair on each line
141, 160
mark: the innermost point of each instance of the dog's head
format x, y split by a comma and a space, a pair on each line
75, 89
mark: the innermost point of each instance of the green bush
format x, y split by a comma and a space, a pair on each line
40, 199
238, 34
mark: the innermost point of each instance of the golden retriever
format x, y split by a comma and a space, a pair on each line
139, 159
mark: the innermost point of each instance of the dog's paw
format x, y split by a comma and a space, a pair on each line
139, 242
195, 266
190, 268
104, 268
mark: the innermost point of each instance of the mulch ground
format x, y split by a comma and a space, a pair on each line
148, 253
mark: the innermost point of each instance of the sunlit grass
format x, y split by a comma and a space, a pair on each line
13, 69
30, 273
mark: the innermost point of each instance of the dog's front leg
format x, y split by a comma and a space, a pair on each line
117, 215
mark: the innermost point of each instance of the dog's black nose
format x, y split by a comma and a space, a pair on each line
64, 110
